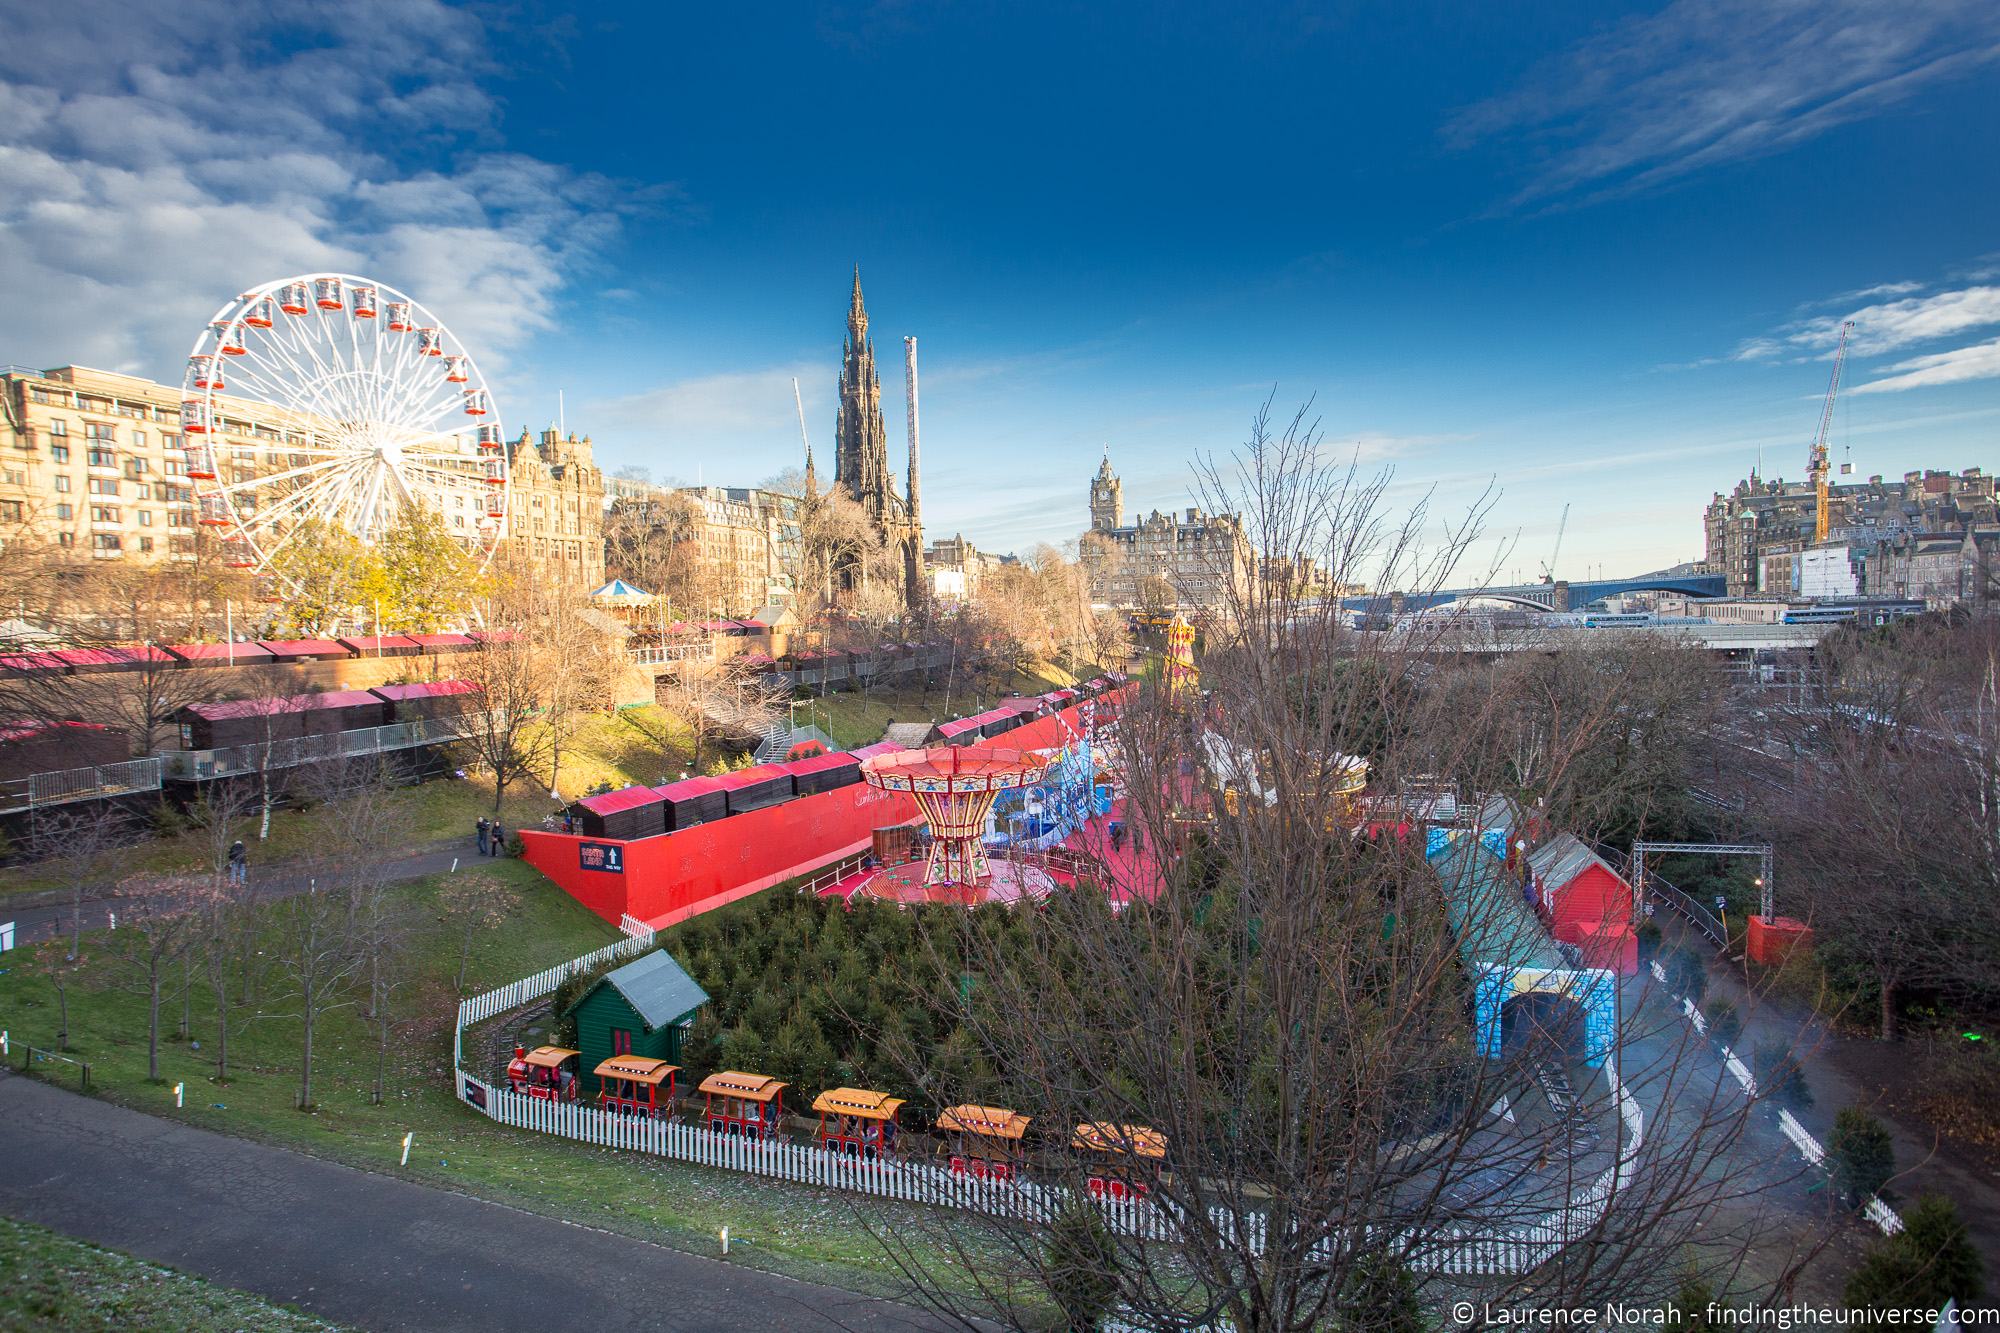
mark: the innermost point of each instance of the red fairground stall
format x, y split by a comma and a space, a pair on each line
985, 1141
1122, 1158
547, 1072
857, 1122
748, 1105
631, 1085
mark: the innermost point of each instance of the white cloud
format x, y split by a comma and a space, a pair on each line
1981, 361
162, 158
1886, 327
1703, 82
708, 410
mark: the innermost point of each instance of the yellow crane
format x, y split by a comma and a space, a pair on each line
1816, 467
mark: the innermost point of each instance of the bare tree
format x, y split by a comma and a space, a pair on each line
59, 962
1270, 1045
161, 922
76, 844
472, 904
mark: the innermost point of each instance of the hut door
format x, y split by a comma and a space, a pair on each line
621, 1041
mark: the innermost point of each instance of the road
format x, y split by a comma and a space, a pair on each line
371, 1250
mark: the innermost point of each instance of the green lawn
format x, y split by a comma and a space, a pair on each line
54, 1282
803, 1232
858, 718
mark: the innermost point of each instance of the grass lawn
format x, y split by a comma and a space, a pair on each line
806, 1233
55, 1282
858, 718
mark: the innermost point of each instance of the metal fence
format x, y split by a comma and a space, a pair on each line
99, 782
235, 760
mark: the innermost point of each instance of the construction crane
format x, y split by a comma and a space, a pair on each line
1816, 468
1562, 526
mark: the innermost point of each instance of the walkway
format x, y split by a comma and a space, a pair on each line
44, 914
365, 1249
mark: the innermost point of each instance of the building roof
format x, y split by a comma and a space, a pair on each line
656, 988
297, 703
372, 643
431, 689
620, 588
306, 647
738, 779
1562, 858
625, 798
688, 788
243, 654
31, 730
1488, 912
736, 1083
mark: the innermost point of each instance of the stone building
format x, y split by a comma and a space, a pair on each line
861, 454
956, 567
558, 505
1200, 556
748, 540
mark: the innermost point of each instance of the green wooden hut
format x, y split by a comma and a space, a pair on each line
642, 1008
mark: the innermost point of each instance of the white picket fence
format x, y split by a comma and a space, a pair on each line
1467, 1251
1875, 1210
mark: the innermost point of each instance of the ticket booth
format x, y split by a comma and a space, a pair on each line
748, 1105
857, 1122
1121, 1161
985, 1141
636, 1085
547, 1073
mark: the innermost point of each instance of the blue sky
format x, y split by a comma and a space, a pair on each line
1590, 253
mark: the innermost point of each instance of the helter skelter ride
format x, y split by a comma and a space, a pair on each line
337, 399
955, 787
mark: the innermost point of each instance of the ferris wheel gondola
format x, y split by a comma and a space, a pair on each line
300, 405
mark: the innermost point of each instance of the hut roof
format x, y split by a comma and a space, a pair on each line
656, 988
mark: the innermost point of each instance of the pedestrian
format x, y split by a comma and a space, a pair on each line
499, 837
482, 827
1117, 835
239, 862
569, 822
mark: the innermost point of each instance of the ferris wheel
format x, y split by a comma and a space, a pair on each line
337, 399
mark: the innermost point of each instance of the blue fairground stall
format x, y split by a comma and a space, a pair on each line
1043, 815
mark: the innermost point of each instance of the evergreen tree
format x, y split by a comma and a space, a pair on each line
1930, 1261
1381, 1297
1080, 1268
1862, 1155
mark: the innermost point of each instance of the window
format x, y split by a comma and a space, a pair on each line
135, 467
16, 477
10, 511
106, 541
41, 395
146, 545
99, 430
180, 518
176, 466
62, 485
59, 453
143, 491
65, 539
96, 457
139, 442
169, 441
145, 518
621, 1041
104, 513
101, 485
59, 427
65, 512
181, 545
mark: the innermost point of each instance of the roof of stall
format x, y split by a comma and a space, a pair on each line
625, 798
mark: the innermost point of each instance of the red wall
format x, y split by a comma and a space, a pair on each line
677, 875
1595, 895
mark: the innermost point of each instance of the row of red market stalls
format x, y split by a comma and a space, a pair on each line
215, 726
641, 812
256, 652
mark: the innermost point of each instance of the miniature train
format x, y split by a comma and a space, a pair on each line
978, 1142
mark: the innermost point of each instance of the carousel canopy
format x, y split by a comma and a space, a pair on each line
620, 593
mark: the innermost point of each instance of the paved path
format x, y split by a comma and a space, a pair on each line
45, 914
366, 1249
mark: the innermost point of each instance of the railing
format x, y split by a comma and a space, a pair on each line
61, 786
1695, 914
231, 761
677, 652
517, 993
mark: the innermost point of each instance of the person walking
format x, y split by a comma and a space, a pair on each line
239, 862
499, 839
483, 828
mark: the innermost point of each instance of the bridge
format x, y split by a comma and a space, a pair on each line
1477, 638
1558, 596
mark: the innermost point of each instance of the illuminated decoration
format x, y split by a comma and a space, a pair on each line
1182, 677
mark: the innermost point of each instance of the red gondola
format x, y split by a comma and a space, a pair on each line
363, 301
259, 314
429, 342
195, 419
214, 512
475, 402
399, 317
228, 338
205, 372
496, 471
200, 462
236, 553
327, 295
454, 370
488, 438
292, 300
